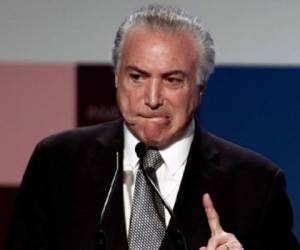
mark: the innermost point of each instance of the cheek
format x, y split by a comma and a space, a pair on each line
184, 103
183, 109
122, 99
127, 101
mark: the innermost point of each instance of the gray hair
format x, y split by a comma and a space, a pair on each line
170, 19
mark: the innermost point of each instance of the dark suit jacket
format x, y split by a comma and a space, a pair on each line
69, 175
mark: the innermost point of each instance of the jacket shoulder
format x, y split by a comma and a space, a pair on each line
82, 135
232, 155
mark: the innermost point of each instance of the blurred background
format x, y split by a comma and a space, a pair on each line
55, 74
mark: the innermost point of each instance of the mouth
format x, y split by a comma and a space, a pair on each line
159, 119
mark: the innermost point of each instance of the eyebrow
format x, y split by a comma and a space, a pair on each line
137, 69
166, 74
175, 72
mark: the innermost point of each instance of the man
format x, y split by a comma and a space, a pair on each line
71, 190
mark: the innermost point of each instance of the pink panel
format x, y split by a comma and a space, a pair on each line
35, 100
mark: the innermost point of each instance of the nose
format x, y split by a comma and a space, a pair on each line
153, 94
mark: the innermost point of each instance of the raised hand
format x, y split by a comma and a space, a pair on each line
219, 240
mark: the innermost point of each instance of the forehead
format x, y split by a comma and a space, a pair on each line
165, 50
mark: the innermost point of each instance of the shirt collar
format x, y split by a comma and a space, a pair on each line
130, 142
174, 156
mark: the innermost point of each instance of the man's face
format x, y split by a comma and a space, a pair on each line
156, 84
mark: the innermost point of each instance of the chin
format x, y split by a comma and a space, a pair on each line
156, 143
149, 141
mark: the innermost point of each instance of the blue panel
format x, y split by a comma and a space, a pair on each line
259, 108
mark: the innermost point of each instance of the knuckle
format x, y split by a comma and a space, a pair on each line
212, 240
231, 235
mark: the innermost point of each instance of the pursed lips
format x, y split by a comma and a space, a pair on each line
157, 118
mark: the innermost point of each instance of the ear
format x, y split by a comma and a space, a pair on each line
116, 80
202, 88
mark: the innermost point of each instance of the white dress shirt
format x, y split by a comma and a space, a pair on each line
169, 175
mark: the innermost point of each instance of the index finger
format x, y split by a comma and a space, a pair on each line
212, 215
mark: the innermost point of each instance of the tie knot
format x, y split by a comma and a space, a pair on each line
153, 160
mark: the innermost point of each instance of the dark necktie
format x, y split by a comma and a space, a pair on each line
147, 222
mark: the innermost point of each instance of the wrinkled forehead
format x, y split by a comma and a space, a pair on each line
141, 38
163, 31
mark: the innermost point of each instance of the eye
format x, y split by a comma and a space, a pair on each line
174, 81
135, 76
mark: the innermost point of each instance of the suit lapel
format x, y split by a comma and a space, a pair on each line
102, 165
200, 177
